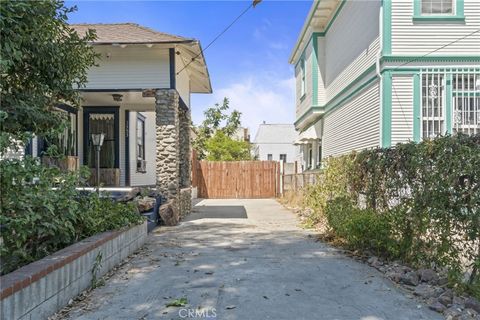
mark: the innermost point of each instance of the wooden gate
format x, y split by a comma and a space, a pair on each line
236, 179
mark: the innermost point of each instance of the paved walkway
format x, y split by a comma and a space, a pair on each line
246, 259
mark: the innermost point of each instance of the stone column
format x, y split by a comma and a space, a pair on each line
168, 151
184, 116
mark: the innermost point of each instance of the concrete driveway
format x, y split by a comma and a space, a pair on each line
245, 259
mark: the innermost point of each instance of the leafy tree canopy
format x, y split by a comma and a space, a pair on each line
221, 147
43, 61
214, 139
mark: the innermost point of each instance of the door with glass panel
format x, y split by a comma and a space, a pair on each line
102, 120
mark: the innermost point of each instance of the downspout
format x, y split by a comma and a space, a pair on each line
377, 68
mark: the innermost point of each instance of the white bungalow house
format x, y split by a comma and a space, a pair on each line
376, 73
275, 142
139, 97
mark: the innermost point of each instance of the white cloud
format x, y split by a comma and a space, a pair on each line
259, 98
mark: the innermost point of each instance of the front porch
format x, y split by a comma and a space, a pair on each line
146, 144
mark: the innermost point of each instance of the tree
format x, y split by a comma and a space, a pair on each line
43, 63
214, 136
221, 147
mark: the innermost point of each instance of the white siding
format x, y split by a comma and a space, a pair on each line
353, 126
402, 108
418, 38
149, 177
303, 104
321, 92
346, 42
365, 60
132, 67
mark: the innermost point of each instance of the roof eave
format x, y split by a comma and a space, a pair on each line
304, 30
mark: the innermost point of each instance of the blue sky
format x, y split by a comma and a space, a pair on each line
248, 64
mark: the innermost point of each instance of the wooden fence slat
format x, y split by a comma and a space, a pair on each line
236, 179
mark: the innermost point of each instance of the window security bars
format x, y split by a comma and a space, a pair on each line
450, 101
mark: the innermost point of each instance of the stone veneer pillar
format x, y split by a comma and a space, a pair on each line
185, 147
168, 138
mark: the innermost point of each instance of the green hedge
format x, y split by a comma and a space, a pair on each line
416, 201
42, 212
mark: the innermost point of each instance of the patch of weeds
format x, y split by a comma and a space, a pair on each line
96, 267
177, 302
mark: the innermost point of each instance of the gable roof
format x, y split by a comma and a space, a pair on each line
127, 33
276, 134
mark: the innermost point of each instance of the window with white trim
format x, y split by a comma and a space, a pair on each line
450, 101
269, 157
437, 7
302, 74
140, 141
466, 103
433, 105
283, 157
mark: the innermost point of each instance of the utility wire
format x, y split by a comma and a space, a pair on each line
218, 36
415, 59
435, 50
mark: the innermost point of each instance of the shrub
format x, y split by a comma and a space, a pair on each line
361, 229
42, 212
420, 202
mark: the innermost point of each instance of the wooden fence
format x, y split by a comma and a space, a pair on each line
295, 182
236, 179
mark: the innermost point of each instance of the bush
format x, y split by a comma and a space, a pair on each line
421, 202
42, 212
361, 229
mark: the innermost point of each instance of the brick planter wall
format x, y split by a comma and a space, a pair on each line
41, 288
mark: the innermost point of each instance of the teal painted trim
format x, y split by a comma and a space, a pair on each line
315, 69
416, 107
452, 58
334, 16
438, 19
386, 110
309, 112
459, 15
353, 83
465, 94
387, 27
330, 107
324, 33
448, 103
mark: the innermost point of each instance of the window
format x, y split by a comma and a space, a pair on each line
269, 157
283, 157
433, 105
302, 74
140, 140
437, 7
466, 103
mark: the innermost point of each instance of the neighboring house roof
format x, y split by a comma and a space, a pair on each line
134, 34
127, 33
276, 134
321, 14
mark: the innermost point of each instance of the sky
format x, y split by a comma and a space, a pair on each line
248, 64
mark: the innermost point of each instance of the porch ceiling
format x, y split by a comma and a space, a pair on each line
134, 99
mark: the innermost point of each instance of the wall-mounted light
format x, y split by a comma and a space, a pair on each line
149, 45
117, 97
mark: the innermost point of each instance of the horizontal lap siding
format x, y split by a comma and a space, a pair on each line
402, 108
409, 38
353, 126
130, 68
306, 102
351, 44
366, 59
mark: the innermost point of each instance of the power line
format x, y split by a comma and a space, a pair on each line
435, 50
218, 36
414, 59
